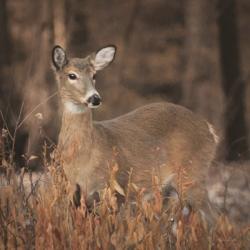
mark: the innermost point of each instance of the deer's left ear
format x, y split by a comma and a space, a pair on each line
104, 57
59, 58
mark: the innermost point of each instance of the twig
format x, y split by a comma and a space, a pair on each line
15, 132
6, 225
35, 108
33, 187
6, 125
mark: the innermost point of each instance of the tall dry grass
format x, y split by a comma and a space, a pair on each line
36, 212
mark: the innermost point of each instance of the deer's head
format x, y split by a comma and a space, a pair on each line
76, 77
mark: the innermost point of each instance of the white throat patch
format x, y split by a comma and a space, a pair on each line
74, 108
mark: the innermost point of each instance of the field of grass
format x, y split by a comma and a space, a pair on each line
45, 218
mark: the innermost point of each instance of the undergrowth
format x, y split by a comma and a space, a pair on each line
37, 212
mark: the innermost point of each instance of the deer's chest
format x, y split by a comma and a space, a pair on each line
84, 166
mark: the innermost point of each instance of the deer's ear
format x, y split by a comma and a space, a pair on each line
104, 57
59, 58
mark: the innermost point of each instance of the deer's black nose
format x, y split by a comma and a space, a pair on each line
94, 100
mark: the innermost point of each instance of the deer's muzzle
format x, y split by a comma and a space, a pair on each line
94, 101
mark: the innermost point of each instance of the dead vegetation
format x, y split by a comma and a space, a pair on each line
44, 218
36, 212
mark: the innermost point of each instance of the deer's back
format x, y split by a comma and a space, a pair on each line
158, 136
156, 123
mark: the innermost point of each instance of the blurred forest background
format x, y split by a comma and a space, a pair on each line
195, 53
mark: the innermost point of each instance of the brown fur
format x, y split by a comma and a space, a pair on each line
160, 138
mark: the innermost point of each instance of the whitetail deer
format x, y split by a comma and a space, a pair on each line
162, 137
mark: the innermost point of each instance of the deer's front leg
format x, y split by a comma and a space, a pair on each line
92, 198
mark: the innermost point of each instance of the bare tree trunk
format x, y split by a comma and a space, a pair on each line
39, 83
76, 27
5, 45
5, 59
59, 21
6, 90
233, 85
197, 83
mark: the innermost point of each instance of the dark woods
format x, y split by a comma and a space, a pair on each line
193, 52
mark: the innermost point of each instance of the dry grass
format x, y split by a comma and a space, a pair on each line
37, 213
46, 219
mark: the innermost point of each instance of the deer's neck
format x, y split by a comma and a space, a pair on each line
76, 135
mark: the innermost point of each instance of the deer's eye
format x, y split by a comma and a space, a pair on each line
72, 76
94, 77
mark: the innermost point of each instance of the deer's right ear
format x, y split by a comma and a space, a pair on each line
59, 58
